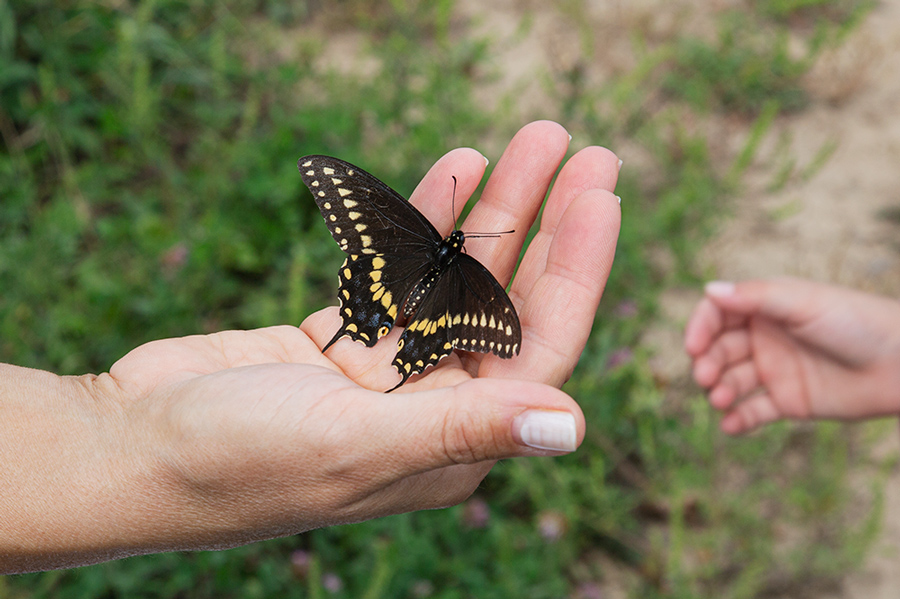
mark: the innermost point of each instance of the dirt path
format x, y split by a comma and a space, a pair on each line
833, 226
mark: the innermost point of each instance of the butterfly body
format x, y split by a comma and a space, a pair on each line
398, 267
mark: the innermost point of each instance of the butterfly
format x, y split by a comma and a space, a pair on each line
399, 268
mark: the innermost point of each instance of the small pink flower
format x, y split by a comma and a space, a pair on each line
619, 357
626, 309
476, 513
332, 583
552, 525
175, 257
588, 590
300, 561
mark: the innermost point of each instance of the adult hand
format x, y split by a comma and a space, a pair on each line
219, 440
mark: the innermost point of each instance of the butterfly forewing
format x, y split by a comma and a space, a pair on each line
364, 215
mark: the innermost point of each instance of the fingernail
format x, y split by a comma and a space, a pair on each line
542, 429
719, 288
620, 163
620, 200
486, 161
570, 137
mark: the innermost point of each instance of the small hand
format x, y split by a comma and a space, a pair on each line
787, 348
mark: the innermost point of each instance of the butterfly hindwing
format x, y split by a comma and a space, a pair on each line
372, 290
465, 309
364, 215
485, 320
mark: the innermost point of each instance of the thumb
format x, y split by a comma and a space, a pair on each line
483, 420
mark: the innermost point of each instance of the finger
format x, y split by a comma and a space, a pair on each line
559, 310
729, 348
590, 168
783, 299
481, 420
736, 382
750, 414
514, 194
434, 194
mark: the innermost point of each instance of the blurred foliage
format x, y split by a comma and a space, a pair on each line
149, 189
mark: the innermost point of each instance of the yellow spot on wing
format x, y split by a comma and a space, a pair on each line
386, 299
307, 163
328, 170
345, 192
377, 263
353, 215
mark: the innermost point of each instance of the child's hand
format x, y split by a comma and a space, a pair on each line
788, 348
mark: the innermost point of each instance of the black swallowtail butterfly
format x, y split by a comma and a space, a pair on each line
398, 265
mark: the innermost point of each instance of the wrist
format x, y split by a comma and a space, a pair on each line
74, 472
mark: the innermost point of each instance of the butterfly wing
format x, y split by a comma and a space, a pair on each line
388, 240
466, 309
364, 215
372, 290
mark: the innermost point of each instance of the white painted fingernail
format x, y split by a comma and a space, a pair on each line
570, 137
620, 200
719, 288
621, 162
542, 429
486, 161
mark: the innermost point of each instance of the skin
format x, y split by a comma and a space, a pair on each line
789, 348
213, 441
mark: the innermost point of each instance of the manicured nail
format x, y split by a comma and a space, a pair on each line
620, 200
486, 161
570, 137
621, 162
719, 288
542, 429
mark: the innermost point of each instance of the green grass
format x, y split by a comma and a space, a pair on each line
147, 171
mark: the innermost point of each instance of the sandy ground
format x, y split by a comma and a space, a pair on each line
833, 225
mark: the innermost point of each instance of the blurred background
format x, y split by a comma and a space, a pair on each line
148, 188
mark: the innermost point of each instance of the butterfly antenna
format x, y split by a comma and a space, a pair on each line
453, 203
471, 235
497, 234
